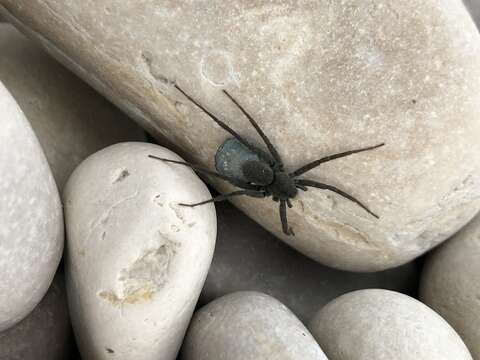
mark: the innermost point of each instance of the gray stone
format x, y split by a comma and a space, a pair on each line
31, 221
384, 325
320, 77
45, 333
69, 118
474, 7
248, 326
247, 257
451, 284
136, 260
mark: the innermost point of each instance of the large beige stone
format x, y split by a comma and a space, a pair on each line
69, 118
451, 284
320, 77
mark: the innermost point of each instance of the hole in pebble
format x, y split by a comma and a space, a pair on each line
110, 351
120, 175
157, 200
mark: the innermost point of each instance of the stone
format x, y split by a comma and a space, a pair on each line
320, 77
69, 118
31, 221
45, 333
451, 283
379, 324
248, 326
247, 257
474, 7
136, 260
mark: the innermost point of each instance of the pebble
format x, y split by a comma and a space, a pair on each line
31, 221
136, 260
384, 325
320, 78
451, 283
45, 333
248, 326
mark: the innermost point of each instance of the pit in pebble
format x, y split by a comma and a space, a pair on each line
231, 180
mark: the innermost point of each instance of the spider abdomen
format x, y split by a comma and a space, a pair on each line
240, 163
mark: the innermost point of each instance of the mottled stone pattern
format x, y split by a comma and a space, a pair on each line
248, 326
31, 220
451, 283
320, 77
384, 325
247, 257
45, 333
136, 260
69, 118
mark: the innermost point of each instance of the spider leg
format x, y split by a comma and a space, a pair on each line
289, 203
226, 196
283, 217
315, 163
214, 118
260, 132
205, 171
301, 187
318, 185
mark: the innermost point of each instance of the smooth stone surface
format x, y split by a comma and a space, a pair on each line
248, 326
45, 333
31, 220
320, 77
69, 118
136, 260
247, 257
451, 284
383, 325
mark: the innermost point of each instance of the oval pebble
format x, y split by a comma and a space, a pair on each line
384, 325
450, 283
31, 221
248, 326
136, 260
45, 333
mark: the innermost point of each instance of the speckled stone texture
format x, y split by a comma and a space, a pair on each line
136, 260
451, 284
248, 326
384, 325
45, 334
69, 118
31, 220
247, 257
320, 77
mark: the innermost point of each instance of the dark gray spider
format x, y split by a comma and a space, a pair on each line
258, 173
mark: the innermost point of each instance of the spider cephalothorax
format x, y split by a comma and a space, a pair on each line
258, 173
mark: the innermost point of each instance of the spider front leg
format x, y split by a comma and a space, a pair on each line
311, 183
283, 217
227, 196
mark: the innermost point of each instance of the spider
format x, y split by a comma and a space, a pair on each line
260, 174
